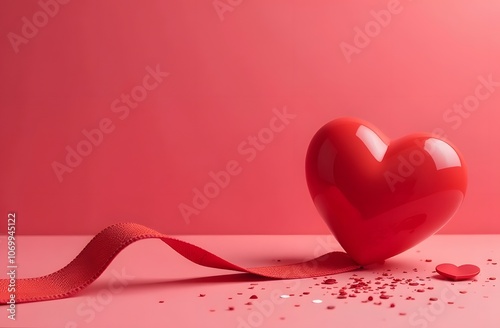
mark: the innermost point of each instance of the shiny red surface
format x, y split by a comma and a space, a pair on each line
380, 197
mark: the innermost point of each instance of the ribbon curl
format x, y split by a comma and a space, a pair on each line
91, 262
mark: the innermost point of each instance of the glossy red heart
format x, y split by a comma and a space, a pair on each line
452, 272
380, 197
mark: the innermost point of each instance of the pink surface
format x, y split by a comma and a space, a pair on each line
180, 89
149, 285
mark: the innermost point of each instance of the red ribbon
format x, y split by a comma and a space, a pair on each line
102, 249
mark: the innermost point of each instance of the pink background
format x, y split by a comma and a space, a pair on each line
227, 71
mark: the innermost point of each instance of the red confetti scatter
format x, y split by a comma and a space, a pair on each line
212, 310
201, 295
229, 298
492, 278
161, 301
463, 292
231, 308
428, 260
489, 260
494, 263
378, 287
239, 293
451, 302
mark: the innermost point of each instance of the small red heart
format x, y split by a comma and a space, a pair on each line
380, 197
452, 272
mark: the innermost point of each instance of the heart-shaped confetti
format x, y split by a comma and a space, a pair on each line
452, 272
